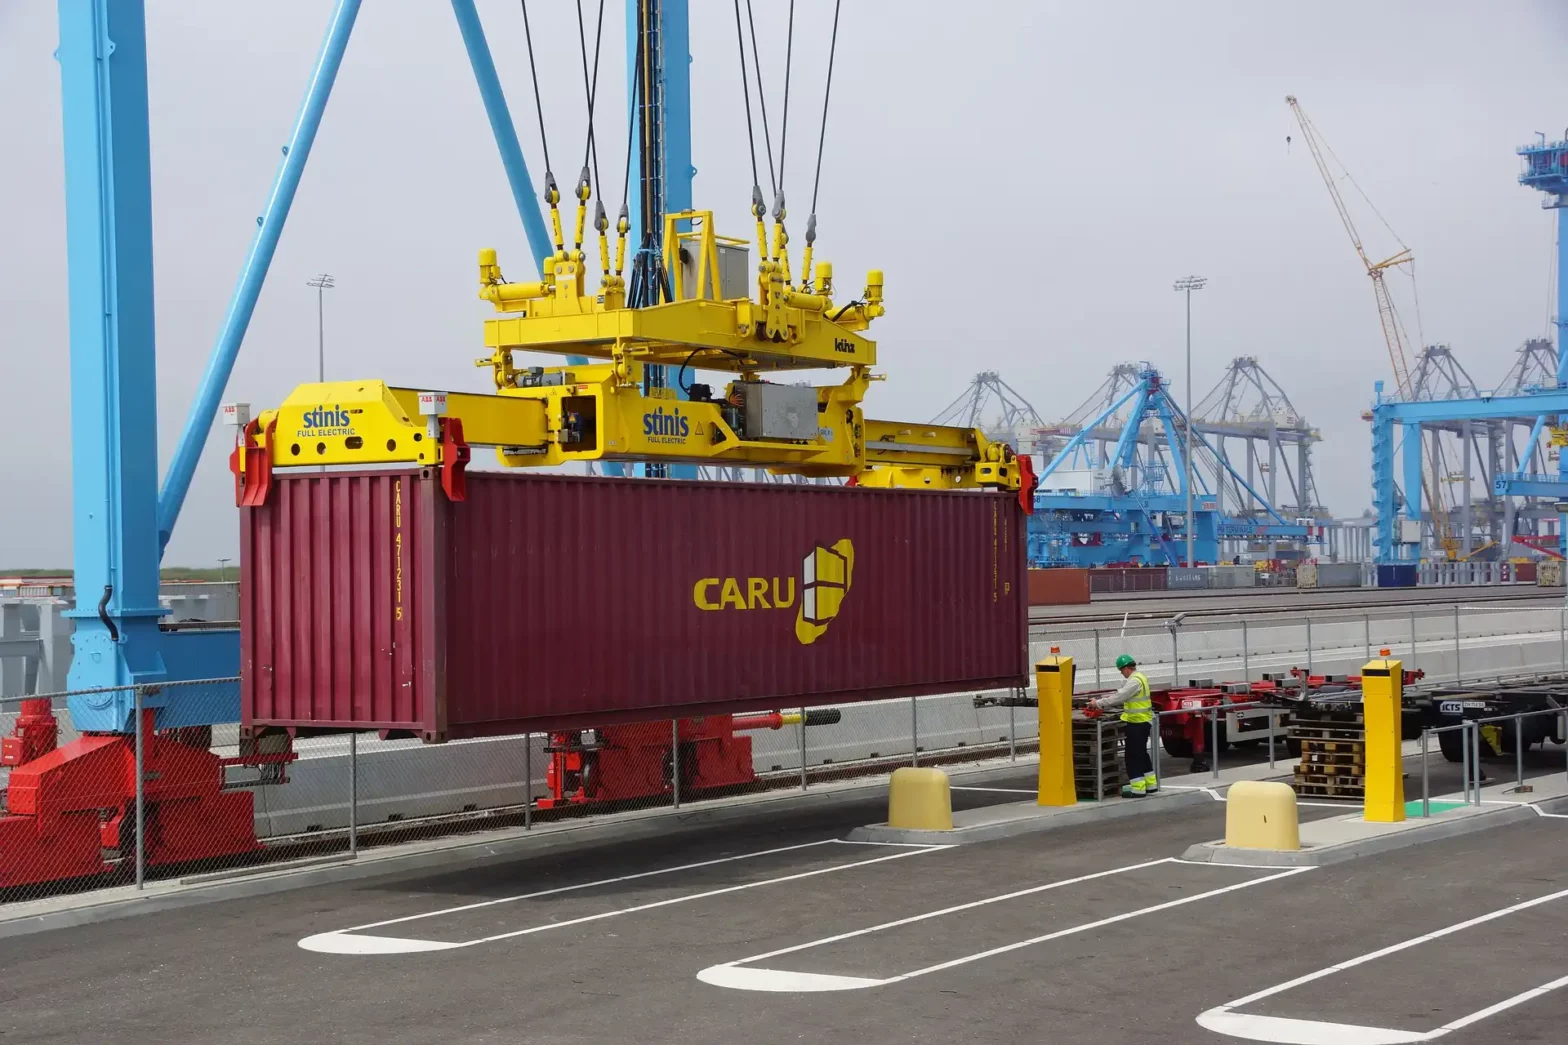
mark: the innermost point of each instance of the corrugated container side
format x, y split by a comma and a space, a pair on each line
556, 601
1549, 573
1186, 578
1059, 586
328, 574
1307, 575
1339, 574
1524, 572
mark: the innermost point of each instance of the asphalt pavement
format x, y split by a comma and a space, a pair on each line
774, 930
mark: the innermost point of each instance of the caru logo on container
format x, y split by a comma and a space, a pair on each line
661, 427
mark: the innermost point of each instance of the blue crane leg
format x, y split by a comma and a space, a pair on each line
504, 130
254, 272
114, 428
1413, 487
677, 172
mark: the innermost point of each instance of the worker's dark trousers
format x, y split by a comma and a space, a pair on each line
1138, 763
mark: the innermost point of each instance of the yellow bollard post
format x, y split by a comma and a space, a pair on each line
1054, 681
920, 800
1261, 814
1382, 689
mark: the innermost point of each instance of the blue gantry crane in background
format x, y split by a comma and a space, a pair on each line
1400, 524
1128, 504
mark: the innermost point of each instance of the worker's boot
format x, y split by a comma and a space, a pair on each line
1151, 783
1135, 789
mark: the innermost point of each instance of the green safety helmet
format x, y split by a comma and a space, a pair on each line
1125, 661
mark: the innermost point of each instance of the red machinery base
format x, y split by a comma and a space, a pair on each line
634, 761
71, 812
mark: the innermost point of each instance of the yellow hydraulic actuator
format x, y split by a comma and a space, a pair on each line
1054, 681
1382, 690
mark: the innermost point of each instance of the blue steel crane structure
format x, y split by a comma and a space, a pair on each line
122, 520
1399, 534
144, 746
1097, 505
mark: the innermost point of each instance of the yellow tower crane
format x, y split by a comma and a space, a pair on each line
1388, 316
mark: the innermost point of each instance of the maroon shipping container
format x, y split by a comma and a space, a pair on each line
539, 602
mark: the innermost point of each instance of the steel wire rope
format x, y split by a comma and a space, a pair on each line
789, 56
591, 88
591, 91
544, 141
745, 90
822, 134
762, 99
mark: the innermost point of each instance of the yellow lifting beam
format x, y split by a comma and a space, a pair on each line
713, 323
582, 413
726, 315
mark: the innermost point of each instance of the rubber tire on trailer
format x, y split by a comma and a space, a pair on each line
1452, 746
1178, 747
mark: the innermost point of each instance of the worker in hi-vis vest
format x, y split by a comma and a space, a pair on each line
1138, 716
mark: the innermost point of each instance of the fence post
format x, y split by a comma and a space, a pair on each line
1464, 760
1214, 744
1366, 620
1097, 659
1413, 636
675, 761
803, 749
914, 731
141, 794
1309, 652
1426, 779
1246, 667
1459, 675
1518, 753
1562, 643
1012, 728
353, 794
1272, 720
528, 781
1175, 654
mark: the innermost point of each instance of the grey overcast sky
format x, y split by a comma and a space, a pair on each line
1031, 175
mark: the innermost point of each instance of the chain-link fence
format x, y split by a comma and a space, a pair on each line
208, 801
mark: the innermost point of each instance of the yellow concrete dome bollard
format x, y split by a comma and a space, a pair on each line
1261, 814
920, 800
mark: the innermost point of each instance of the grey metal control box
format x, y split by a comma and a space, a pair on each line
779, 411
735, 274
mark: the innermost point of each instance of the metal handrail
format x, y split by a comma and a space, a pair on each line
1470, 752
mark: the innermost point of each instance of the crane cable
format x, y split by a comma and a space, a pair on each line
822, 134
552, 194
758, 207
585, 188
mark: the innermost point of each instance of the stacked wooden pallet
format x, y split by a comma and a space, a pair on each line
1333, 752
1107, 757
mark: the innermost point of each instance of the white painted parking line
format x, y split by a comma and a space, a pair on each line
355, 941
742, 974
1289, 1031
